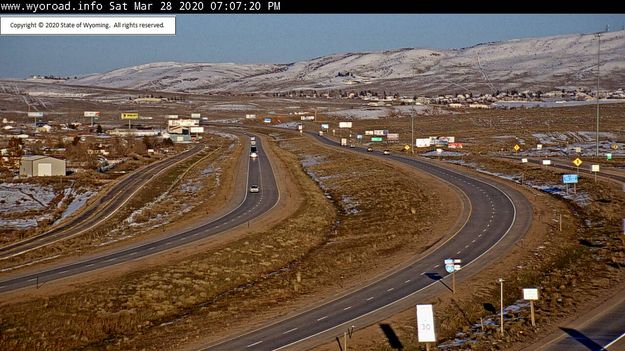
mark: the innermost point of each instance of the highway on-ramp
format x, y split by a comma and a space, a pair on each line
100, 210
498, 217
260, 173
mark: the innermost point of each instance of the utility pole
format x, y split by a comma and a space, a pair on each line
501, 301
598, 68
412, 133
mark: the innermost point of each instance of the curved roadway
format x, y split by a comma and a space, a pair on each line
100, 210
253, 205
498, 214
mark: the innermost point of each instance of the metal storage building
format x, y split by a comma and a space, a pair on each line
41, 166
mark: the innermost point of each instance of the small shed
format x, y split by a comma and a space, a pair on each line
41, 166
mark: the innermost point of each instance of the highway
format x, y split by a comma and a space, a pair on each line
601, 329
498, 216
259, 172
100, 210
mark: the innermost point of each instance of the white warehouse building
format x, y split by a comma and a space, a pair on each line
41, 166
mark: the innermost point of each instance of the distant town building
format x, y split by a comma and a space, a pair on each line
41, 166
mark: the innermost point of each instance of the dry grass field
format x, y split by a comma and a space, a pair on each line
327, 245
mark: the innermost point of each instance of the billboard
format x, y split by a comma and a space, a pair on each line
183, 122
345, 124
92, 114
325, 126
196, 115
128, 115
422, 142
392, 137
35, 114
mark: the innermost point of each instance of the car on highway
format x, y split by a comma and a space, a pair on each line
386, 152
254, 189
253, 155
369, 149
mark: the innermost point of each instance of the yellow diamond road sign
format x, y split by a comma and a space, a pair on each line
517, 147
577, 162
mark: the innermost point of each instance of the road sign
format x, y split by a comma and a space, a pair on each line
577, 162
325, 126
578, 149
517, 147
345, 124
539, 146
450, 268
196, 115
359, 136
546, 162
35, 114
608, 156
133, 115
267, 120
92, 114
524, 160
595, 168
530, 294
614, 146
376, 138
569, 178
425, 324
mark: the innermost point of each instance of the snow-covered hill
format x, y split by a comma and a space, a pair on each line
535, 63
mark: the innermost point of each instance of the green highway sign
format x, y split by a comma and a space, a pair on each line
376, 138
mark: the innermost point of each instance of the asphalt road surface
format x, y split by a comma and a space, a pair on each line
97, 212
599, 330
254, 204
498, 216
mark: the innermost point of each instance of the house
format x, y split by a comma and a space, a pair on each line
41, 166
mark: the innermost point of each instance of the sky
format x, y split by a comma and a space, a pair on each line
279, 39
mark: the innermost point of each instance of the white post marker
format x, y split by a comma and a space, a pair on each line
531, 294
425, 325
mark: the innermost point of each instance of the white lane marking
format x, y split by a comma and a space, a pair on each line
407, 281
614, 341
473, 241
90, 264
422, 273
347, 308
151, 248
390, 289
485, 229
369, 299
290, 330
466, 246
254, 344
479, 235
30, 280
437, 266
63, 272
458, 253
322, 318
133, 253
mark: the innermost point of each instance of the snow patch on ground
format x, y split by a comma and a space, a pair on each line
79, 201
233, 107
19, 197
